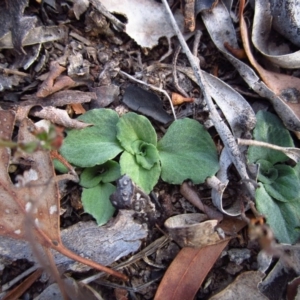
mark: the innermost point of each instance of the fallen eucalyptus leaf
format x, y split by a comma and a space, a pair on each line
190, 267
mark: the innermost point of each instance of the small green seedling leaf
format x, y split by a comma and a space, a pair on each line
146, 154
187, 152
267, 206
93, 145
145, 179
59, 166
107, 172
267, 173
133, 127
269, 129
96, 202
286, 186
283, 217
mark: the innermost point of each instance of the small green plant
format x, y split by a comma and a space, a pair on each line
278, 196
185, 152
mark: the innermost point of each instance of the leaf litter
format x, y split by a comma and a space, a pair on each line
98, 75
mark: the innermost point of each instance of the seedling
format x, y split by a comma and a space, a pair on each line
278, 196
185, 152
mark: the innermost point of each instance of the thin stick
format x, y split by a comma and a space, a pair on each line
174, 73
293, 153
222, 129
153, 88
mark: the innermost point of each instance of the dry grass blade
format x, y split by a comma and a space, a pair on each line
35, 199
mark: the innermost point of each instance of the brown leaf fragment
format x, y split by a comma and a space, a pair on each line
29, 210
244, 287
58, 116
54, 83
192, 230
286, 87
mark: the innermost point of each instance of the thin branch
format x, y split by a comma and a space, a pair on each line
293, 153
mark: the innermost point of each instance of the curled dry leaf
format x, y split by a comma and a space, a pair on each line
234, 209
192, 230
31, 211
219, 25
261, 35
53, 83
58, 116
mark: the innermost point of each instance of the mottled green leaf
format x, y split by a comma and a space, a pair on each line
93, 145
96, 202
133, 127
269, 208
269, 129
145, 179
107, 172
187, 152
286, 186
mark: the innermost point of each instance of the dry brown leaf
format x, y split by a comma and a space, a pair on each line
285, 86
53, 83
78, 108
30, 211
244, 287
192, 230
191, 266
58, 116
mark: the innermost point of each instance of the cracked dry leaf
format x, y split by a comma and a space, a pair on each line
147, 20
30, 210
